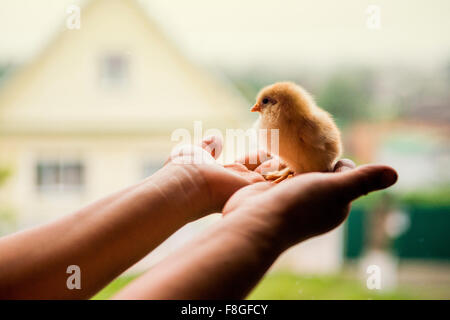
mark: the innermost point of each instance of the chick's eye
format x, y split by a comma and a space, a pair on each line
265, 101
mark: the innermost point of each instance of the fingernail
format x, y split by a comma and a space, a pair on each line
388, 178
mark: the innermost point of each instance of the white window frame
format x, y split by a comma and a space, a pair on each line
60, 186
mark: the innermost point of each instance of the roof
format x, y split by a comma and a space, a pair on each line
57, 92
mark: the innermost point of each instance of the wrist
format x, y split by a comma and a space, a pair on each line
183, 189
266, 233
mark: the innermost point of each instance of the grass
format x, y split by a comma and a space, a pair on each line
113, 287
290, 286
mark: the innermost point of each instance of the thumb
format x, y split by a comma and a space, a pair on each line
358, 182
213, 145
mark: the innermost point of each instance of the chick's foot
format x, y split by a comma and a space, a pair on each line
278, 176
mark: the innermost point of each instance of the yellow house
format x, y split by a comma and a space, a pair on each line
94, 113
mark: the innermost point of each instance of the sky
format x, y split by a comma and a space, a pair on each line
238, 34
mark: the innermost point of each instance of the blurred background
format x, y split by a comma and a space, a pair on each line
91, 91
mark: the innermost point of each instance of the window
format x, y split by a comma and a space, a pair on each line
114, 70
59, 175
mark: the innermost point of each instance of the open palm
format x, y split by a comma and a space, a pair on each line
309, 204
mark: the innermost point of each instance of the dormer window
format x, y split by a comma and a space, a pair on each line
114, 70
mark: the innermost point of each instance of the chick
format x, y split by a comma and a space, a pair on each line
309, 140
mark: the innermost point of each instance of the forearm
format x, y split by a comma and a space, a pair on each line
225, 262
103, 239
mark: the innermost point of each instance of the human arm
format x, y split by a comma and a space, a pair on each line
108, 236
260, 222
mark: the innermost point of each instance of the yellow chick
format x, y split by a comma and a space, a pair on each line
309, 140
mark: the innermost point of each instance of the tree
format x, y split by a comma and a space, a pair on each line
347, 95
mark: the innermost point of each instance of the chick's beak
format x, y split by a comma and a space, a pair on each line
256, 108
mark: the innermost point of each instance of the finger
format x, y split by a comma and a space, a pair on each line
273, 164
243, 172
213, 145
344, 165
254, 160
355, 183
190, 154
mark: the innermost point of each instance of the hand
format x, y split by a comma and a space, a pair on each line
217, 182
261, 220
308, 204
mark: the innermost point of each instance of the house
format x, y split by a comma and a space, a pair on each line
101, 99
94, 112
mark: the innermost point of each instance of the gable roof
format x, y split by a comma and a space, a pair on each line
59, 91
